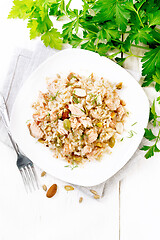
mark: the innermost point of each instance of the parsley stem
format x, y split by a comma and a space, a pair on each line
156, 40
97, 45
157, 137
113, 55
138, 46
133, 45
132, 55
139, 18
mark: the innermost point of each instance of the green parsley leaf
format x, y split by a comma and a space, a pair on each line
21, 9
153, 115
52, 38
139, 4
44, 25
142, 35
151, 149
54, 9
156, 149
75, 41
67, 30
154, 18
157, 87
145, 148
106, 9
108, 32
100, 8
150, 152
33, 24
149, 135
147, 81
122, 16
158, 99
151, 61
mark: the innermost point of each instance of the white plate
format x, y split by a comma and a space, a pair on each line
82, 62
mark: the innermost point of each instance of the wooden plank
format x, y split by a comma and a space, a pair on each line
140, 201
36, 217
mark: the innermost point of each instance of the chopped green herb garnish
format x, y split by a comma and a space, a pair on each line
122, 139
73, 77
134, 124
83, 110
48, 114
131, 133
82, 137
56, 118
73, 166
94, 100
75, 99
53, 98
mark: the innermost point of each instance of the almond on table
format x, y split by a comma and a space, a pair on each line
51, 191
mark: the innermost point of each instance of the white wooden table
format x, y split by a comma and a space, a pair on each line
129, 210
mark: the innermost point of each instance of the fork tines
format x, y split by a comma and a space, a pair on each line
29, 177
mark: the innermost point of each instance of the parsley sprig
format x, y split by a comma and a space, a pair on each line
151, 149
107, 25
154, 119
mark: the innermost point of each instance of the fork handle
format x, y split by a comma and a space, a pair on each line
5, 119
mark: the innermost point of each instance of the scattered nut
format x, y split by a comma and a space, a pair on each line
93, 191
43, 174
44, 187
67, 124
68, 188
119, 85
100, 124
96, 196
111, 142
113, 114
51, 191
99, 145
122, 102
65, 114
81, 199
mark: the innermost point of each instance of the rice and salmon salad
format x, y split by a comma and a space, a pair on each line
78, 118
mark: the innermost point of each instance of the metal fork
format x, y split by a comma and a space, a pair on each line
24, 164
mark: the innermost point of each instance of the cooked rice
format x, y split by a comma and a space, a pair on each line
78, 118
